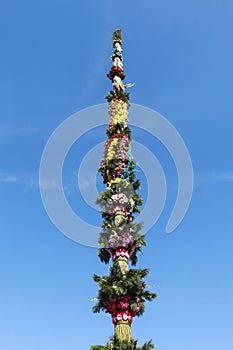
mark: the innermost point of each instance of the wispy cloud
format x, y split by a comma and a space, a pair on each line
228, 176
9, 179
213, 178
9, 132
46, 185
27, 182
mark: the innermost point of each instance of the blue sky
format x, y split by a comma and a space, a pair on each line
54, 57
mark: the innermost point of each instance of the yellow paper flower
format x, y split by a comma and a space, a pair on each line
118, 179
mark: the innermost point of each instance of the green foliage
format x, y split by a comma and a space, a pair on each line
104, 255
107, 232
113, 344
136, 184
118, 284
119, 128
113, 72
134, 258
120, 187
108, 227
118, 94
110, 166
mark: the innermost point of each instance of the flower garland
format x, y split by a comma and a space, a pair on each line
118, 113
122, 310
118, 285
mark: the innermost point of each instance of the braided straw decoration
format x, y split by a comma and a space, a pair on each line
119, 218
123, 331
122, 263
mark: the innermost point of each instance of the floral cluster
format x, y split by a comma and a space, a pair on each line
120, 239
120, 196
116, 147
123, 252
118, 112
116, 157
116, 71
120, 202
122, 310
126, 236
121, 283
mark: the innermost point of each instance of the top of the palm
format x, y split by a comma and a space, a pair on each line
120, 200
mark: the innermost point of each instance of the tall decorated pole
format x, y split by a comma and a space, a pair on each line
123, 292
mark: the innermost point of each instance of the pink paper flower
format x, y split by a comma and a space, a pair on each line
119, 317
125, 317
